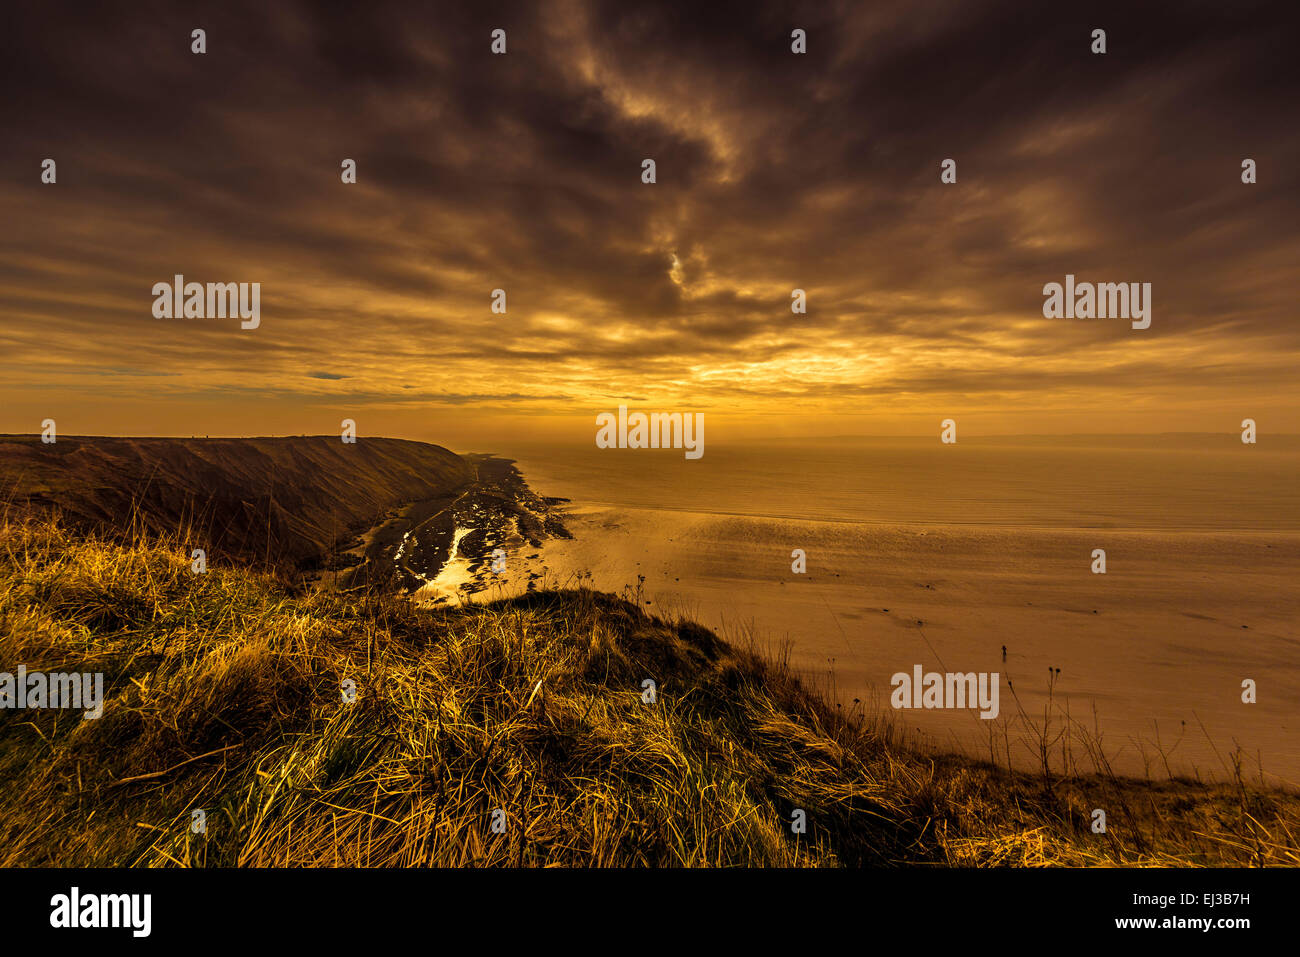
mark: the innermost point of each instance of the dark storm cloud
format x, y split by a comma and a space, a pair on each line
775, 171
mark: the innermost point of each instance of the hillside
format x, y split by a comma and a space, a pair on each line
275, 500
223, 695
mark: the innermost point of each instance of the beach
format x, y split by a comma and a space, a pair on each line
1152, 654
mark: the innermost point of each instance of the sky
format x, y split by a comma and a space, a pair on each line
523, 172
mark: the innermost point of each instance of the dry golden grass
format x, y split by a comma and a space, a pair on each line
223, 694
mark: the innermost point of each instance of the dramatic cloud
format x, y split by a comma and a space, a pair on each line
523, 172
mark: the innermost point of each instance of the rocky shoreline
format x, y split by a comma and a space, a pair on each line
441, 549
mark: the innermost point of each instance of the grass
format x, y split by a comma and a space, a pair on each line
224, 694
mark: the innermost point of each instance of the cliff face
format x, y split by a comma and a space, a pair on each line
283, 500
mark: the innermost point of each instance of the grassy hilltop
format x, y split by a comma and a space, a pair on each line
223, 694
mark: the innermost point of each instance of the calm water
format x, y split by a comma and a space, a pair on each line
1147, 483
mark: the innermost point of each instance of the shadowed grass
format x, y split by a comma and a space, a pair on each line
224, 695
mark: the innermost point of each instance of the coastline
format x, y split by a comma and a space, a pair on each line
440, 550
880, 598
534, 705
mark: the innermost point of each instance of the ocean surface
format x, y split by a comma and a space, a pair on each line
979, 557
1175, 483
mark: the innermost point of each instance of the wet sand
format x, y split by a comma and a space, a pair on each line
1159, 644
